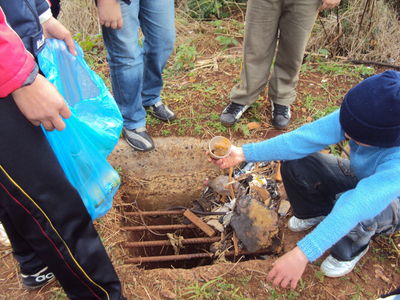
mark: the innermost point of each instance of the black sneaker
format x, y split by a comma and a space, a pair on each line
35, 281
280, 116
138, 139
232, 113
162, 112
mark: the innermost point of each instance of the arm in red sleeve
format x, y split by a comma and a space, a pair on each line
16, 63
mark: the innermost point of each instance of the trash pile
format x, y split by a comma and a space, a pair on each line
243, 208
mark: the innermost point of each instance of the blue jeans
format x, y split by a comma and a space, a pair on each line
136, 71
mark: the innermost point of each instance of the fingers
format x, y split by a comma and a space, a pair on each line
70, 43
120, 23
48, 125
65, 112
58, 124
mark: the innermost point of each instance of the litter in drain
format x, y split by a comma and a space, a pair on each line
235, 216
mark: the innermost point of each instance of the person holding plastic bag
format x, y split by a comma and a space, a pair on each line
47, 223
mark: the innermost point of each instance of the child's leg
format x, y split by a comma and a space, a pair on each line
312, 183
358, 239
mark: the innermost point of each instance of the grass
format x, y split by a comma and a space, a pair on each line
218, 289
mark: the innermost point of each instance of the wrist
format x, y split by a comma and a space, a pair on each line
32, 76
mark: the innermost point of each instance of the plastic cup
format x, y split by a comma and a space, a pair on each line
219, 147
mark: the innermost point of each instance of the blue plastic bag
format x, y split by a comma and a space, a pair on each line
84, 91
92, 131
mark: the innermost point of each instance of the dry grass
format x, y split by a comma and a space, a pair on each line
80, 16
367, 30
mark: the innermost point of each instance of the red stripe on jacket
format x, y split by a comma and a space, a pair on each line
16, 63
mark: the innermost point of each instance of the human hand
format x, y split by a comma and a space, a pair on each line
41, 103
328, 4
235, 157
110, 13
288, 268
54, 29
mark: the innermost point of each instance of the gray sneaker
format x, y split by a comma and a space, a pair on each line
280, 116
162, 112
297, 225
232, 113
332, 267
138, 139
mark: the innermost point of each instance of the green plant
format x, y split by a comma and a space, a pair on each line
217, 288
58, 295
319, 275
185, 57
207, 9
226, 41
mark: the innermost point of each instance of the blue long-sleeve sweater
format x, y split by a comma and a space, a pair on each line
378, 170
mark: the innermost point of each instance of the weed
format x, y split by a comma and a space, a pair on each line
226, 41
319, 275
292, 295
274, 295
185, 57
364, 71
217, 288
165, 132
58, 295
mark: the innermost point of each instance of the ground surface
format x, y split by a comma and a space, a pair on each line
197, 85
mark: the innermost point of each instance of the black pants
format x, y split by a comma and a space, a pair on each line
314, 183
44, 216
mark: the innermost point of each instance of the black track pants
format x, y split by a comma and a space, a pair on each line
44, 216
314, 183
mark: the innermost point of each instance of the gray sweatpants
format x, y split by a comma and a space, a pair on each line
292, 21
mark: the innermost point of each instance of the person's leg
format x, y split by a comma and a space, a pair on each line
346, 253
157, 22
125, 58
312, 183
48, 213
295, 25
261, 31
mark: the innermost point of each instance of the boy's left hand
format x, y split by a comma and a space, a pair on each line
54, 29
288, 268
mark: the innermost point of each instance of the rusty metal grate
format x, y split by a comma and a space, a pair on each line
150, 247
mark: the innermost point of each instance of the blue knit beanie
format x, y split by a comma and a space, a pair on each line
370, 112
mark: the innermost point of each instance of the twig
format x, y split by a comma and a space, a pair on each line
227, 272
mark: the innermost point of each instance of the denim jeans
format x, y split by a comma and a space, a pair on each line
314, 183
136, 70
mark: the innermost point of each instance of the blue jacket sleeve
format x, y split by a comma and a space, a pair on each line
369, 198
299, 143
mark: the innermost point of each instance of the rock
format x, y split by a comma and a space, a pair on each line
284, 208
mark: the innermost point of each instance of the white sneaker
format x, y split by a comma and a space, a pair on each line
393, 297
332, 267
296, 224
4, 241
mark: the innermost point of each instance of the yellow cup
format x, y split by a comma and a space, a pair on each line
219, 147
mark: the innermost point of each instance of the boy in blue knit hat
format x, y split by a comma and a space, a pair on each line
349, 201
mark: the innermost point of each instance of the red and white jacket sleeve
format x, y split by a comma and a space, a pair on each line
16, 63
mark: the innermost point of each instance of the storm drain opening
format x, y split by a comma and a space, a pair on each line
235, 218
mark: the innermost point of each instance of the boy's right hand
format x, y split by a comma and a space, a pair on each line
110, 13
41, 103
235, 157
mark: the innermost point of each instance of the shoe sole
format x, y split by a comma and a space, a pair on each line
162, 119
362, 254
136, 148
36, 287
